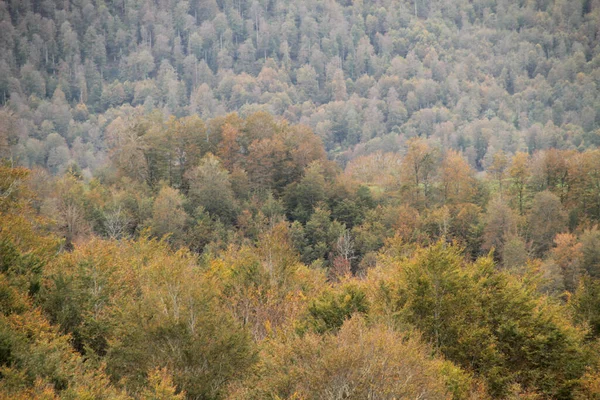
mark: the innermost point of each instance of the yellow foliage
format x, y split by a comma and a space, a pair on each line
359, 362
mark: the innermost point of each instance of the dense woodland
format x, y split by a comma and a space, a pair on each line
299, 199
478, 76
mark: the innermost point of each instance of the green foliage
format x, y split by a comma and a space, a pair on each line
546, 219
464, 128
590, 248
490, 322
139, 307
586, 304
354, 73
168, 215
210, 188
328, 312
302, 198
321, 234
36, 360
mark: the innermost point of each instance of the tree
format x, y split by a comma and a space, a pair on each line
230, 150
161, 386
338, 86
519, 174
419, 164
500, 225
546, 219
8, 130
168, 216
590, 252
37, 359
458, 184
321, 236
115, 222
396, 112
155, 310
586, 303
39, 362
204, 103
32, 81
373, 121
586, 183
308, 86
567, 254
514, 253
265, 162
67, 207
304, 148
331, 309
210, 188
140, 64
129, 145
498, 170
488, 321
361, 361
187, 136
303, 197
259, 125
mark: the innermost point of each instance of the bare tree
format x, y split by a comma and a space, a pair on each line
344, 246
115, 223
344, 253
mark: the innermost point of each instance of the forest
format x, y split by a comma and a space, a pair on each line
320, 199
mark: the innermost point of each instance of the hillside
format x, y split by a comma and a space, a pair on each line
478, 77
319, 199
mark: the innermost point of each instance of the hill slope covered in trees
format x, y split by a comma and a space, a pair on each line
478, 76
299, 199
